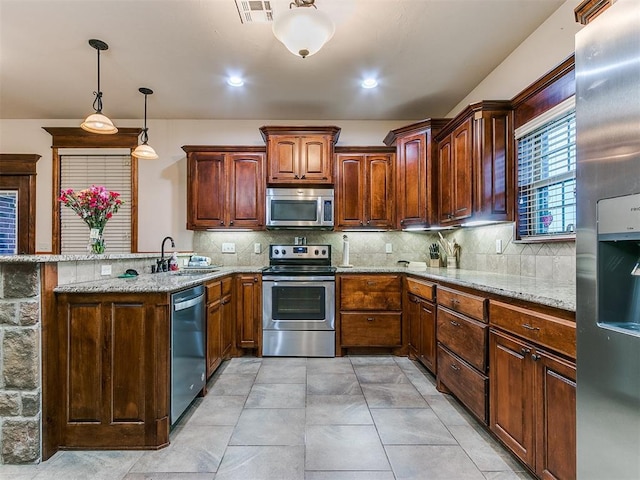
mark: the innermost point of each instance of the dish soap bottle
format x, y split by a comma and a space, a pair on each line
173, 262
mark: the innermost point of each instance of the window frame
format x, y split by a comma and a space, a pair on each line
76, 138
559, 111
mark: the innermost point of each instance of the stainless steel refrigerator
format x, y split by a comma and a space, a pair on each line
608, 244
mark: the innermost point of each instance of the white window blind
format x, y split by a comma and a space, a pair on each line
80, 172
546, 175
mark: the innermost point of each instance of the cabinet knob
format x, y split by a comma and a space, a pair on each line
255, 279
455, 324
296, 177
455, 367
221, 223
370, 319
360, 222
535, 357
525, 350
368, 222
303, 177
401, 222
231, 222
325, 178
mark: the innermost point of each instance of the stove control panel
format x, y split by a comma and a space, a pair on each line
300, 252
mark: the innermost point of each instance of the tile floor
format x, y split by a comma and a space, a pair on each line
351, 418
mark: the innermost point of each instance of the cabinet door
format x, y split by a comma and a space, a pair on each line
246, 190
206, 190
412, 317
214, 321
445, 182
284, 154
378, 199
412, 181
315, 159
226, 334
427, 342
556, 417
350, 190
462, 150
249, 292
511, 394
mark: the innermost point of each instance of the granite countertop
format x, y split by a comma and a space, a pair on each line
151, 282
543, 291
51, 258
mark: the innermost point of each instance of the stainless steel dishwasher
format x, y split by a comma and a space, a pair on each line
188, 374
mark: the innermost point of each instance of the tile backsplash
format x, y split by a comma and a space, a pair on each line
478, 249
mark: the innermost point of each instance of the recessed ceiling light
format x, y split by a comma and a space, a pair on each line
369, 83
235, 81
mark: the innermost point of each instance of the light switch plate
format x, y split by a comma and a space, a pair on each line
228, 247
105, 270
257, 248
388, 248
498, 246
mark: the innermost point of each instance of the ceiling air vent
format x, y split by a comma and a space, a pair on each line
254, 11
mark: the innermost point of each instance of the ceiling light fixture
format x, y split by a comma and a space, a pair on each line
369, 83
303, 30
235, 81
97, 122
144, 151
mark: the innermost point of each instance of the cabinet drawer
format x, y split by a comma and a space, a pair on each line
371, 292
470, 305
464, 382
422, 289
370, 330
214, 290
465, 337
555, 333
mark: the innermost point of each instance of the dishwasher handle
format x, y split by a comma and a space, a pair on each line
188, 303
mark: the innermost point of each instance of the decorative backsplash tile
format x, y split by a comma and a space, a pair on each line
478, 249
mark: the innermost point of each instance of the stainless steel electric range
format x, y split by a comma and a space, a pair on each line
298, 302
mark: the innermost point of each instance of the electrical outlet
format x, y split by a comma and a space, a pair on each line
257, 248
388, 248
228, 247
105, 270
498, 246
185, 262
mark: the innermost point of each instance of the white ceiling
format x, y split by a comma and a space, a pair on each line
427, 54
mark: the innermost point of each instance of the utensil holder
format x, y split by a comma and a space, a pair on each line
452, 262
434, 262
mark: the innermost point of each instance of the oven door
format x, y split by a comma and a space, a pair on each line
296, 303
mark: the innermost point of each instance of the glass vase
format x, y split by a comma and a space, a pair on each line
96, 241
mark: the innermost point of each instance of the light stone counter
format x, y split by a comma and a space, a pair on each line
151, 282
50, 258
530, 289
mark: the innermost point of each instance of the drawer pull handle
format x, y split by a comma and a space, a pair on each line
370, 319
535, 357
455, 367
426, 310
455, 301
529, 327
455, 324
525, 350
370, 282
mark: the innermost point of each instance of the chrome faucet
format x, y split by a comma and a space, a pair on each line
162, 263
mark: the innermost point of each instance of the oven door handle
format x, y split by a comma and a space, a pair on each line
296, 281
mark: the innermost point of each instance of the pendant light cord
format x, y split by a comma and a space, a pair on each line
145, 137
97, 103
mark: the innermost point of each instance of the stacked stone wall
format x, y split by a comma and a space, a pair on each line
20, 387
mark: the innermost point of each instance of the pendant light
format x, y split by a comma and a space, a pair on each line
97, 122
303, 30
144, 151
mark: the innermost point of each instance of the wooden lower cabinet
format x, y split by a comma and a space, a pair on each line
369, 312
248, 311
227, 317
114, 361
420, 315
533, 405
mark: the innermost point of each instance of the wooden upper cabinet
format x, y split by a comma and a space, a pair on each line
300, 155
364, 188
416, 172
225, 187
588, 10
476, 165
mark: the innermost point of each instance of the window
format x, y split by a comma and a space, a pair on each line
546, 149
78, 172
8, 222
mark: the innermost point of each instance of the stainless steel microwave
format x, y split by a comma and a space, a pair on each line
300, 208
